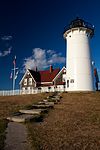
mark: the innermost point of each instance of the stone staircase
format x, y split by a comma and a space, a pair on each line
37, 110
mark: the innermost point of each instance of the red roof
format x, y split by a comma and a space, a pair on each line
46, 76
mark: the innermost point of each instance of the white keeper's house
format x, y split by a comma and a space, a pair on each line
44, 80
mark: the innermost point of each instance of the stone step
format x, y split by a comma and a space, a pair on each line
33, 111
48, 97
40, 106
46, 103
54, 97
51, 100
22, 118
54, 100
45, 100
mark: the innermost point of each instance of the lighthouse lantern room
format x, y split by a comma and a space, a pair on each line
79, 76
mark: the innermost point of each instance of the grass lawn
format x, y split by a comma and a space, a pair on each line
74, 124
3, 125
11, 104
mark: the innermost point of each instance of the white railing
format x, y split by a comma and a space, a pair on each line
33, 91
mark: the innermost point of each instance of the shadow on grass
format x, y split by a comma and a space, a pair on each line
3, 126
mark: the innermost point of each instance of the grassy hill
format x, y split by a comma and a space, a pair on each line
74, 124
11, 104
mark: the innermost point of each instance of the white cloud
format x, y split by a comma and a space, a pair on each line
56, 58
50, 52
6, 52
42, 59
6, 37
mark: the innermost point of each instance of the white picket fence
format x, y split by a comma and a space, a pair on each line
33, 91
10, 92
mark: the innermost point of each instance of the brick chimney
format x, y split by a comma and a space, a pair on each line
51, 68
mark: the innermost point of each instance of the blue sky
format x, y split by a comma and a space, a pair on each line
35, 31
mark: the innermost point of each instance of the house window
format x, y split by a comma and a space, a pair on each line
30, 81
64, 80
64, 72
72, 81
23, 88
49, 87
25, 81
67, 83
28, 88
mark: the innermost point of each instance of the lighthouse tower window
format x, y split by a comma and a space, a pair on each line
72, 81
67, 83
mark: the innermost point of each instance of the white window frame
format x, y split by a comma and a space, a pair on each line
71, 80
25, 81
23, 88
30, 81
63, 80
28, 88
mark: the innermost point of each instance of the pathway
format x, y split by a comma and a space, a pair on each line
16, 138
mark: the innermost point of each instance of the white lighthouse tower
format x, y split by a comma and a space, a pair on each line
78, 61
